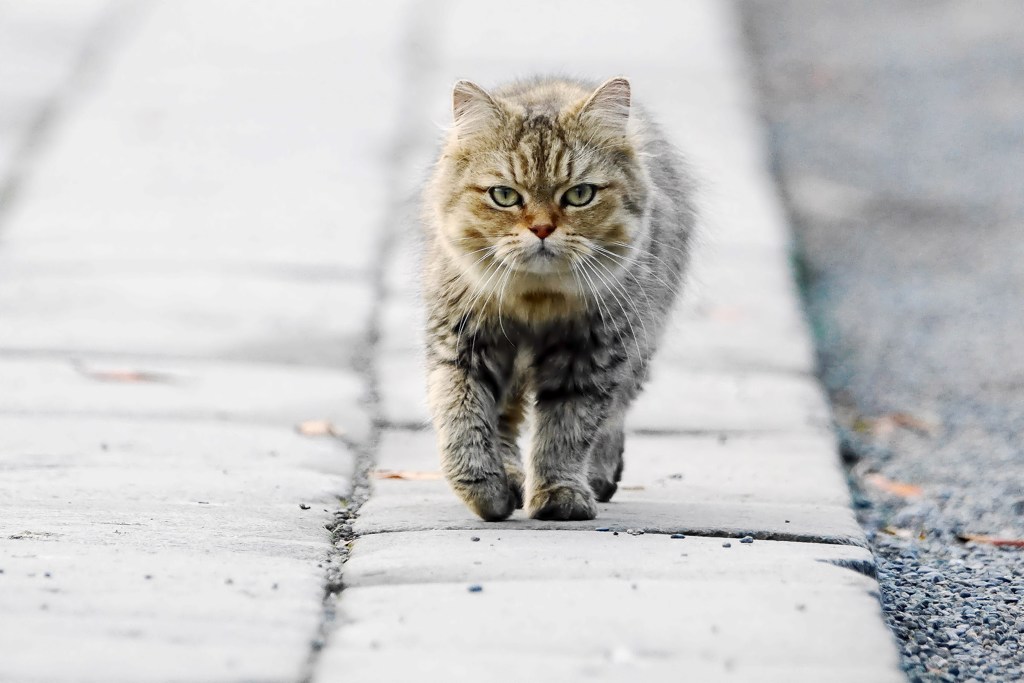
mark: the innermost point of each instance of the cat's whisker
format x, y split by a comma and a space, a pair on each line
625, 293
629, 264
501, 296
625, 314
587, 271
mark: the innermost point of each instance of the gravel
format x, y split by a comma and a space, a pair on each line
898, 135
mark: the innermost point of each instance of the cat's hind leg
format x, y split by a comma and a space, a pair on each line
606, 462
510, 419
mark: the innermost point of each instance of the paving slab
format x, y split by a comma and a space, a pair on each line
617, 629
205, 315
198, 546
216, 146
499, 554
42, 47
147, 387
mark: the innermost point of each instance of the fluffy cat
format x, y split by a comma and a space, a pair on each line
558, 223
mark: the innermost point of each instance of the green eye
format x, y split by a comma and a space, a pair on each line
579, 195
504, 196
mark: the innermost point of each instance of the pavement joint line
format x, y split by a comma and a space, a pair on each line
102, 40
765, 536
79, 357
417, 46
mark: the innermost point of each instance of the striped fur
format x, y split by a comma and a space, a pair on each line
561, 329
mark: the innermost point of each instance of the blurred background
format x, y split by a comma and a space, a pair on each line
896, 133
897, 137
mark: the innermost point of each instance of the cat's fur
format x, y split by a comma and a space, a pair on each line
561, 328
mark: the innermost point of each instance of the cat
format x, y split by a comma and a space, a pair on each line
558, 222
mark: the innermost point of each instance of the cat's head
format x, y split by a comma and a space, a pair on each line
541, 183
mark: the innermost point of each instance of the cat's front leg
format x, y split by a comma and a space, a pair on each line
464, 401
564, 433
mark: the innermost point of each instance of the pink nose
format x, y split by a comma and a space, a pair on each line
542, 231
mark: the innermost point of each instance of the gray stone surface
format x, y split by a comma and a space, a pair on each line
44, 46
183, 541
454, 557
181, 314
618, 629
233, 392
185, 276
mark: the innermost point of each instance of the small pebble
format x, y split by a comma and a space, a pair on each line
475, 588
148, 577
474, 538
602, 528
303, 506
727, 545
678, 536
747, 539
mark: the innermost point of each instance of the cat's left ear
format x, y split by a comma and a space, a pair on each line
472, 107
608, 106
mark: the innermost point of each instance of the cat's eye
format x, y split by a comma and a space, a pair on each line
579, 195
504, 196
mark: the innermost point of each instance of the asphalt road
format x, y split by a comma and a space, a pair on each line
897, 131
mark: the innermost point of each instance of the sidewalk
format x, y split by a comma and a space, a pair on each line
215, 247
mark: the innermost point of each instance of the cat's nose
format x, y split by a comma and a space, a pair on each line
542, 231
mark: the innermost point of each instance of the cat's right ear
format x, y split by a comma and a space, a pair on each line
472, 108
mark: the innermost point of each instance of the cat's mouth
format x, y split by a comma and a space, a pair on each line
544, 260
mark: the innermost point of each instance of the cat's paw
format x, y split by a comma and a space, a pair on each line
516, 483
492, 499
563, 502
603, 488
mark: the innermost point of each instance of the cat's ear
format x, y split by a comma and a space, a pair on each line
608, 106
472, 107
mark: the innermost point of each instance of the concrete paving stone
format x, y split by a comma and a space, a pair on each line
226, 615
41, 44
402, 387
762, 628
183, 102
616, 665
207, 315
138, 483
466, 36
675, 399
183, 541
427, 557
771, 486
231, 393
401, 325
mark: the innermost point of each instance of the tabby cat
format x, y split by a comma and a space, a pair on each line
558, 223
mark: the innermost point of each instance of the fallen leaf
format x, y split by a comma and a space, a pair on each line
896, 531
632, 488
896, 488
993, 540
406, 474
883, 427
124, 375
318, 428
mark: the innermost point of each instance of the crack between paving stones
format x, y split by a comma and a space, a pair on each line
102, 39
418, 53
696, 533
